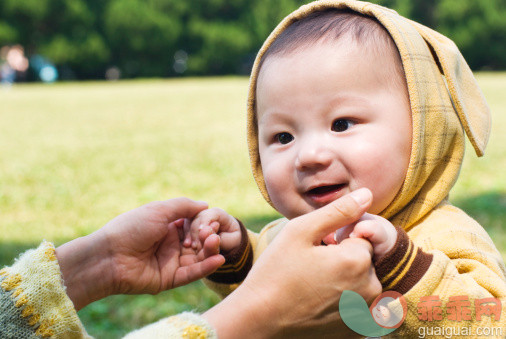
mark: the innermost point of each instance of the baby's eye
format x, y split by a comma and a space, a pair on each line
283, 138
341, 125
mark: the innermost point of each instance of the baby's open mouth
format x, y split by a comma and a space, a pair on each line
322, 190
322, 195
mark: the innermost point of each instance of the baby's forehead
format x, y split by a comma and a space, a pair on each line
341, 28
351, 53
370, 50
331, 25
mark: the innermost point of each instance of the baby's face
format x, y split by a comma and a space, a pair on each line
330, 121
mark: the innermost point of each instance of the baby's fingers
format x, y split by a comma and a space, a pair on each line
187, 226
380, 232
192, 235
229, 241
205, 232
370, 230
343, 233
211, 246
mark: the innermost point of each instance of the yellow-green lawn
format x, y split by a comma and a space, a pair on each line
74, 155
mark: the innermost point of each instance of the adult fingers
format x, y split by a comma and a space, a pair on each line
343, 233
187, 233
188, 274
357, 245
316, 225
355, 258
178, 208
336, 237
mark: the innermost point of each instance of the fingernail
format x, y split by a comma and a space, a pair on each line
201, 227
361, 196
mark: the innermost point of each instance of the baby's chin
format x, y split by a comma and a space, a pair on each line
295, 213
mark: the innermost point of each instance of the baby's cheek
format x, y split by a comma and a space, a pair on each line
275, 192
273, 178
281, 190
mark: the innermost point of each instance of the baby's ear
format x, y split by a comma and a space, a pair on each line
467, 98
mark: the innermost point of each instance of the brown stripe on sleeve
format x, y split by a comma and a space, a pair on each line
403, 266
396, 255
237, 264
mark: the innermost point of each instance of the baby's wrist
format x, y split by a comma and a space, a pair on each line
238, 261
386, 248
403, 266
397, 248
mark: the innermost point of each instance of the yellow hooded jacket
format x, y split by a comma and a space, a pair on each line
445, 253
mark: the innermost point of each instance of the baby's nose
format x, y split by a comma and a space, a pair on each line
313, 155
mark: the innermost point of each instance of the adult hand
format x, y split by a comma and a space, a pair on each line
140, 251
294, 287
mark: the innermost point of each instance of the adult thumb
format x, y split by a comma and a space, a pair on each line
329, 218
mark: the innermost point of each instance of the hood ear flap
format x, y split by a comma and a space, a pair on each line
467, 98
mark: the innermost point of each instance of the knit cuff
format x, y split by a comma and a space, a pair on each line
403, 266
184, 325
37, 291
237, 264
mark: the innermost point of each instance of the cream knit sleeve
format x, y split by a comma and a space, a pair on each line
33, 299
185, 325
33, 304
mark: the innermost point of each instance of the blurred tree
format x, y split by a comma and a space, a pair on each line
145, 37
403, 7
61, 30
8, 34
216, 37
265, 15
142, 35
477, 27
220, 49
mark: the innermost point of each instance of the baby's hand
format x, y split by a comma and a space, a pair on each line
214, 221
377, 230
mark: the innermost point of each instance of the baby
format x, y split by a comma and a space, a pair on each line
347, 95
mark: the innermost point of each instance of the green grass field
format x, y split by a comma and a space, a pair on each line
75, 155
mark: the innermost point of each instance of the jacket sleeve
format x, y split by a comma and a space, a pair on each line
451, 275
183, 325
33, 304
33, 301
238, 261
233, 272
237, 265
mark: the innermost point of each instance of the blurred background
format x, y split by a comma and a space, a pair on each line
46, 40
74, 153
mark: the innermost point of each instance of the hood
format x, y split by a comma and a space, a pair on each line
445, 101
